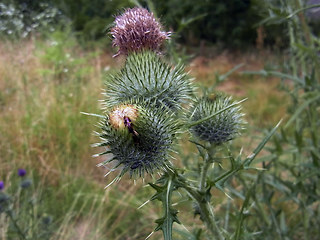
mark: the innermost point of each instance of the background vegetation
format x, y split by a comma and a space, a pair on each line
54, 55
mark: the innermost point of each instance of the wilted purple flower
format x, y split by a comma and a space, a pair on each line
137, 29
22, 172
1, 185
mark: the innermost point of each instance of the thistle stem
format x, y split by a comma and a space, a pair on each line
19, 231
205, 207
207, 161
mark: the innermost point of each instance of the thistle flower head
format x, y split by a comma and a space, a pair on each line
146, 75
22, 172
220, 128
139, 136
137, 29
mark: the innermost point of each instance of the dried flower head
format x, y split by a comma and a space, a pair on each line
220, 128
137, 29
139, 136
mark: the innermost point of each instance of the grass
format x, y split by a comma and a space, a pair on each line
44, 86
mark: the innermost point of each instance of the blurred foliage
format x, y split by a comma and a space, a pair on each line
91, 18
231, 24
216, 21
20, 18
21, 208
285, 199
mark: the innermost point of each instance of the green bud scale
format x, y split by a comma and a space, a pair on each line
139, 136
146, 75
220, 128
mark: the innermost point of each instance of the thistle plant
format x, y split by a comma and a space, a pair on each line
20, 210
148, 106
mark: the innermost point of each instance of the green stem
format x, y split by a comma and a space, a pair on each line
205, 207
167, 231
16, 225
204, 172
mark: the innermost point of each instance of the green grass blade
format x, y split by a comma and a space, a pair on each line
300, 109
255, 152
241, 214
275, 74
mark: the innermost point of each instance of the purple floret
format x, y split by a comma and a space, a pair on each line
137, 29
22, 172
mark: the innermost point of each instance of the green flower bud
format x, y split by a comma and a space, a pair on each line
146, 76
139, 136
26, 183
220, 128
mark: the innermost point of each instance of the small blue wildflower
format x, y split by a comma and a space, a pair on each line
1, 185
22, 172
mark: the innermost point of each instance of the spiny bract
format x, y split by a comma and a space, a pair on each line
146, 75
139, 136
220, 128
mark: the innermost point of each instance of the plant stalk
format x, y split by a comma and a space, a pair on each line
22, 236
206, 210
204, 172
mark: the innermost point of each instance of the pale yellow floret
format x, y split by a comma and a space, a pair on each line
117, 115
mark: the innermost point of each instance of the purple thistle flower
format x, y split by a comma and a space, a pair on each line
22, 172
1, 185
137, 29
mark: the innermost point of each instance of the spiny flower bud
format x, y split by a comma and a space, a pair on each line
137, 29
146, 76
139, 136
220, 128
